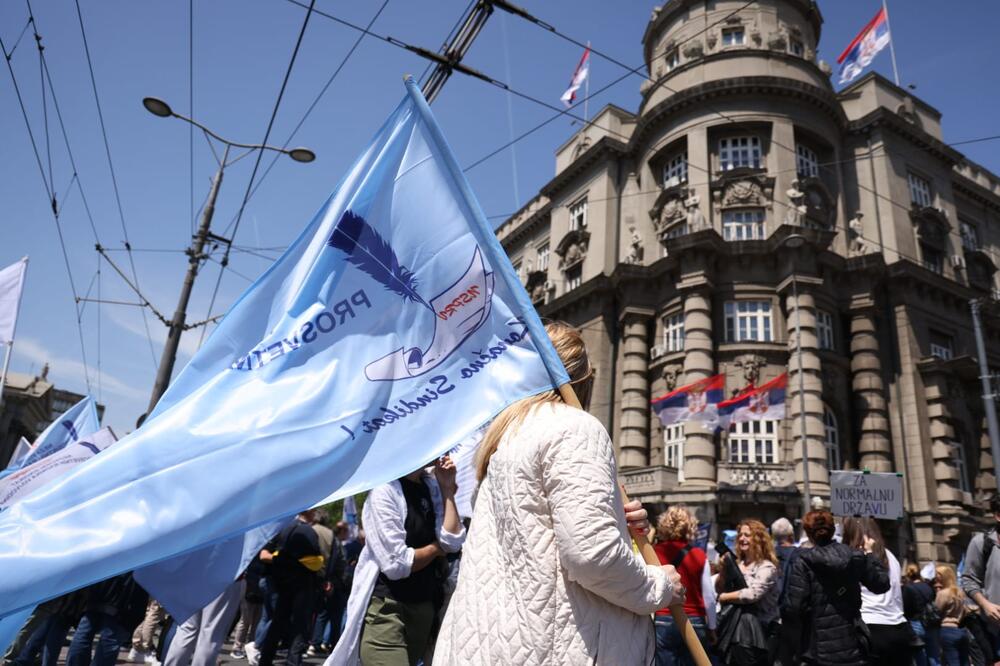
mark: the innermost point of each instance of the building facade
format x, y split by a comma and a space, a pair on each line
745, 194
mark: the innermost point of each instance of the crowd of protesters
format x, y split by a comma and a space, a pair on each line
545, 572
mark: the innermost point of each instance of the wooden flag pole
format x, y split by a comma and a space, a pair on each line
649, 556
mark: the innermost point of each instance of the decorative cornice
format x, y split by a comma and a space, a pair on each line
883, 117
527, 225
605, 146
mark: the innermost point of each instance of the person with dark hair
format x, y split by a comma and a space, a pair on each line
981, 576
921, 613
822, 607
891, 636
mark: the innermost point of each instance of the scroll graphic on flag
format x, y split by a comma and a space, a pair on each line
392, 328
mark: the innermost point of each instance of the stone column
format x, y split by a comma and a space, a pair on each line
699, 363
634, 445
874, 446
812, 384
942, 436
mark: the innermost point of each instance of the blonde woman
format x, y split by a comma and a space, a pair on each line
548, 573
675, 530
951, 603
758, 563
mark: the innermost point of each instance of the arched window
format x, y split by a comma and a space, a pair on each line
831, 439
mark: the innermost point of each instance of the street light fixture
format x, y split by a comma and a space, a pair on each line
793, 242
161, 109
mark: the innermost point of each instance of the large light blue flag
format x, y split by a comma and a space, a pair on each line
78, 421
389, 330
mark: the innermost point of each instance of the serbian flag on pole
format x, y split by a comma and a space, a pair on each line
694, 402
859, 53
762, 403
579, 76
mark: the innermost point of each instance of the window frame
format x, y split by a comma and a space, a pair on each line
673, 331
761, 318
732, 32
921, 190
574, 277
932, 257
735, 229
543, 258
673, 448
748, 146
748, 443
969, 233
794, 42
578, 215
946, 351
672, 60
961, 463
676, 166
806, 161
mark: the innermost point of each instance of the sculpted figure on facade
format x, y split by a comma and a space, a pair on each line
695, 218
797, 210
858, 244
671, 373
635, 246
749, 191
750, 365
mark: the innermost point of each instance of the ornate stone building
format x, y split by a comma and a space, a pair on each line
686, 237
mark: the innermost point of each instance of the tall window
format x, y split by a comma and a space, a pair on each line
733, 36
796, 47
543, 257
941, 345
739, 151
806, 162
672, 59
673, 332
676, 170
961, 466
920, 190
970, 236
748, 321
574, 277
932, 257
831, 439
673, 446
743, 224
754, 442
824, 329
518, 269
578, 215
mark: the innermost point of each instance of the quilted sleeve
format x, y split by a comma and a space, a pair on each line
579, 479
384, 514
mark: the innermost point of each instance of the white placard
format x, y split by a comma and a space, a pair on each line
866, 494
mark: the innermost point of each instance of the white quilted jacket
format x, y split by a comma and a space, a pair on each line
548, 573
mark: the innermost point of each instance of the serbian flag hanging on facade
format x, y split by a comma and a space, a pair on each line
694, 402
862, 50
579, 76
761, 403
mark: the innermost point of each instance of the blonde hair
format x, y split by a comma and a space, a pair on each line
573, 354
761, 547
949, 580
676, 524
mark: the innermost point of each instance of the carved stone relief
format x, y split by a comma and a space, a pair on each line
750, 365
750, 190
671, 373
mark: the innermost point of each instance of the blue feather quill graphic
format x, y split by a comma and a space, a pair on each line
372, 254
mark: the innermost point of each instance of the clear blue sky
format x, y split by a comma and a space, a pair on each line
241, 50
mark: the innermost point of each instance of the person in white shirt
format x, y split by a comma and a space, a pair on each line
891, 635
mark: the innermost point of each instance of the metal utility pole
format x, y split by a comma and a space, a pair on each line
196, 253
988, 395
452, 53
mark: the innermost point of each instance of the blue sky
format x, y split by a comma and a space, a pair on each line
241, 49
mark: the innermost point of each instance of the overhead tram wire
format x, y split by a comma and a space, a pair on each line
55, 213
451, 34
191, 108
312, 106
246, 196
111, 167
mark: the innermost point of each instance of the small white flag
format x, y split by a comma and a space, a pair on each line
579, 76
11, 284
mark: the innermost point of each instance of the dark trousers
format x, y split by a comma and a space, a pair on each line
892, 644
670, 647
954, 646
331, 612
111, 636
291, 607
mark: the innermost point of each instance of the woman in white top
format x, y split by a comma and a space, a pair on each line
548, 573
891, 635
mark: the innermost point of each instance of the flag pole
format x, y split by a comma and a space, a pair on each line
892, 48
3, 373
650, 557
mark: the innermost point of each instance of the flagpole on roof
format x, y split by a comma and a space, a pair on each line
892, 49
586, 90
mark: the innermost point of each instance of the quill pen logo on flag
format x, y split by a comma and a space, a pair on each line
392, 328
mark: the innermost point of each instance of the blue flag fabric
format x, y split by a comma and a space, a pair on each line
389, 330
78, 421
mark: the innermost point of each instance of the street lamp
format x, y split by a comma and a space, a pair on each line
161, 109
793, 242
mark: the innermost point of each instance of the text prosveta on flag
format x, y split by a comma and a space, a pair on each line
390, 329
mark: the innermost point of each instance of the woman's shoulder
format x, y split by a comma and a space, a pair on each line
557, 419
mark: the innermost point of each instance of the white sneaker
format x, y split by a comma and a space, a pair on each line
311, 652
151, 659
253, 654
135, 656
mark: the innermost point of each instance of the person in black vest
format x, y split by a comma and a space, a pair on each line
293, 558
822, 607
